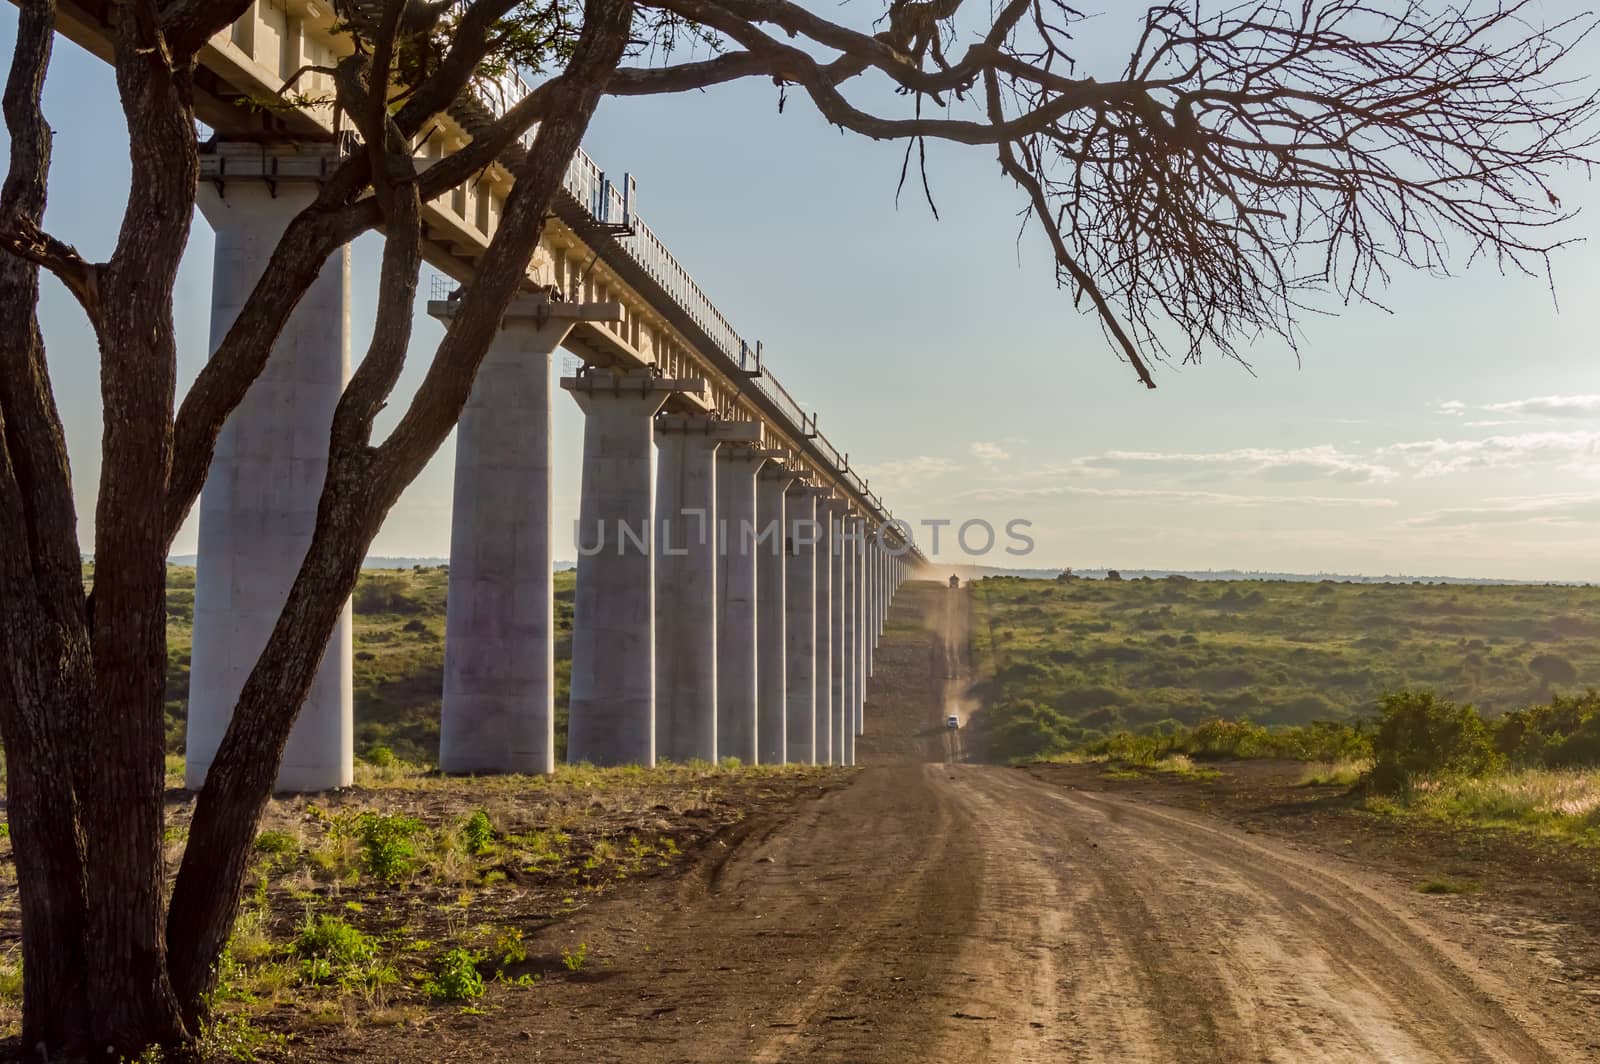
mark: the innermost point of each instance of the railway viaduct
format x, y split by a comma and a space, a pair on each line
733, 569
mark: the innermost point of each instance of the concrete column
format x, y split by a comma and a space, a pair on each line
800, 627
850, 648
827, 614
863, 630
498, 713
258, 509
771, 616
686, 582
736, 603
611, 710
872, 598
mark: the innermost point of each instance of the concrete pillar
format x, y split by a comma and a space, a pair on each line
736, 603
611, 710
771, 616
872, 598
864, 620
686, 582
258, 509
849, 641
498, 712
801, 619
827, 627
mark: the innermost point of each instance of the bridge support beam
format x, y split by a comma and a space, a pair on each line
853, 633
827, 625
258, 509
840, 645
771, 616
686, 582
498, 713
611, 710
874, 599
736, 604
800, 624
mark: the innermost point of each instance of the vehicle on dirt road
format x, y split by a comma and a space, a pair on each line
952, 721
955, 581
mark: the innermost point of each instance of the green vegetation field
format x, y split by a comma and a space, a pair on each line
1075, 661
399, 658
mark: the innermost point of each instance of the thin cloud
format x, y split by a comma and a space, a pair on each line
899, 474
1576, 450
989, 452
1556, 406
1291, 465
1557, 510
1211, 498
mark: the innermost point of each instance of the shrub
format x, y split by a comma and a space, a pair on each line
1552, 669
276, 842
379, 757
455, 977
1564, 733
329, 949
388, 847
1420, 734
478, 833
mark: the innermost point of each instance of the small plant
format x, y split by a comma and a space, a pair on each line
11, 978
234, 1037
331, 949
510, 947
478, 833
574, 958
276, 842
388, 846
379, 757
455, 977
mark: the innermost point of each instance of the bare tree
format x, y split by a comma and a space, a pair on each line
1241, 166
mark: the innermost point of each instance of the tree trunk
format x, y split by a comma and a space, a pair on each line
46, 675
122, 780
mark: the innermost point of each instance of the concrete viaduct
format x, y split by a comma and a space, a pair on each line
733, 569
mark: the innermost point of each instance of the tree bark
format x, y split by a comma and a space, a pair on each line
46, 674
122, 779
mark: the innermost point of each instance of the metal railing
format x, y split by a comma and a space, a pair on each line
613, 208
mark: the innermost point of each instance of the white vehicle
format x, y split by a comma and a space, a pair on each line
952, 721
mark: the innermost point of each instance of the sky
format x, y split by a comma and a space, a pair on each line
1456, 434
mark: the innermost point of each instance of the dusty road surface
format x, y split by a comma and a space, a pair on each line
934, 910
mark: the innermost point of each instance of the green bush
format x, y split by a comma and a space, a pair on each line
1562, 734
328, 947
478, 833
276, 842
455, 977
1420, 734
388, 843
379, 757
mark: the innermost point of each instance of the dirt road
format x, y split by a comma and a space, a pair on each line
933, 910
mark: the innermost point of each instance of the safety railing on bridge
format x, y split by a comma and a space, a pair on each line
612, 207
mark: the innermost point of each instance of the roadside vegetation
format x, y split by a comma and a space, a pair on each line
1436, 701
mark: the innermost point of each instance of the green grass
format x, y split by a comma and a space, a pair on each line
398, 671
1557, 803
1077, 662
1346, 772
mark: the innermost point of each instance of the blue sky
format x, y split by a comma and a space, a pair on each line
1459, 435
